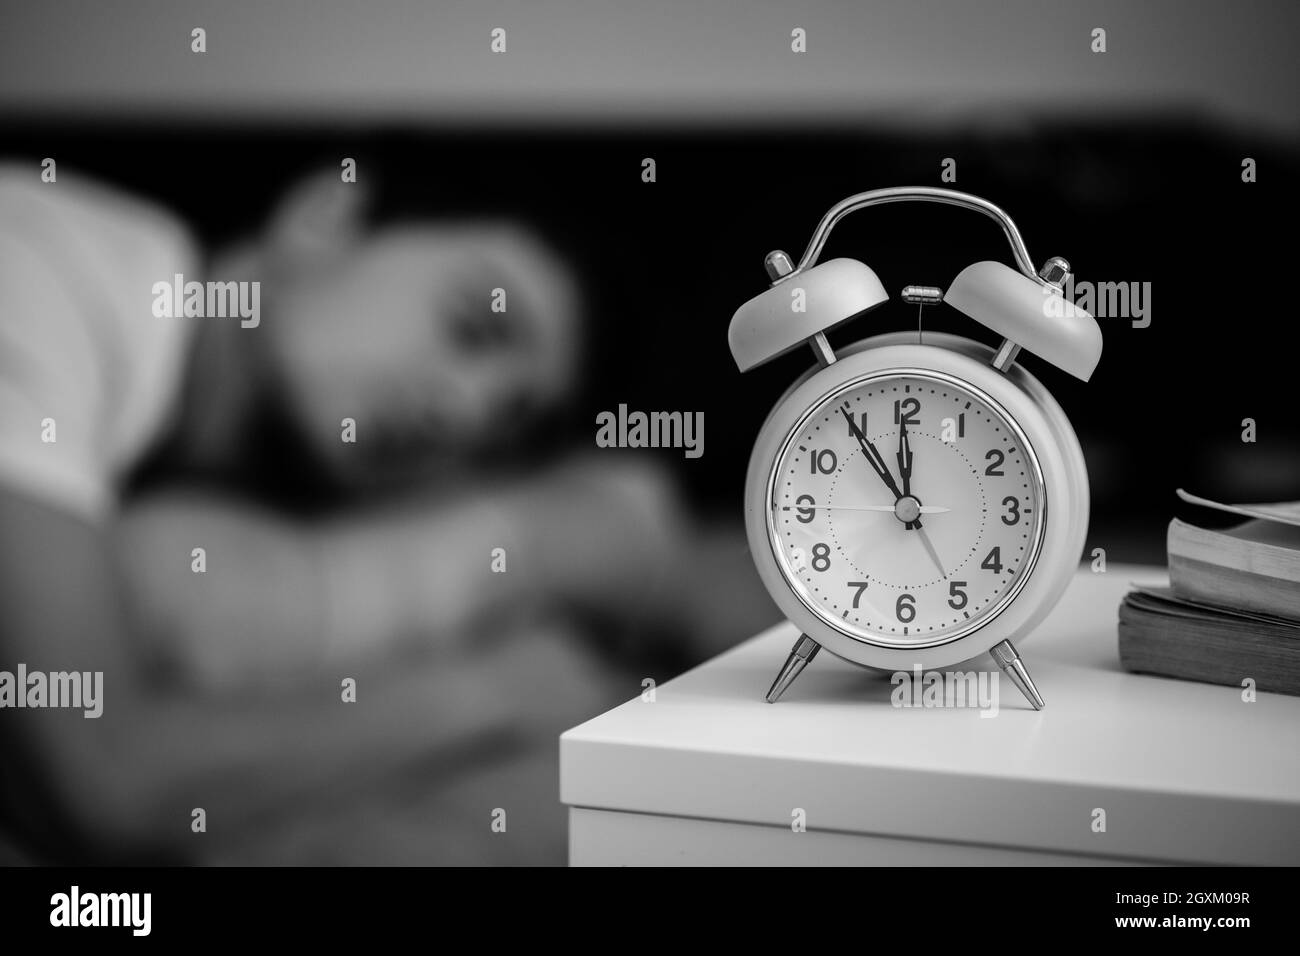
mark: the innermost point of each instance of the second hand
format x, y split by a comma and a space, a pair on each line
925, 509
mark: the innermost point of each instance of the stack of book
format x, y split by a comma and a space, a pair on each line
1232, 608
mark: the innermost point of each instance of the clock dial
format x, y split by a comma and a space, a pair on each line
906, 509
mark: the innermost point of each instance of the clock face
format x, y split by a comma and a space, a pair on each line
906, 509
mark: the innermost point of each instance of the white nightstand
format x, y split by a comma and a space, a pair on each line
710, 774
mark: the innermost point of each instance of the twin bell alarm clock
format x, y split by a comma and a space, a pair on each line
916, 501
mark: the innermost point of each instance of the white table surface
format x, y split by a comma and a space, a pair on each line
1185, 771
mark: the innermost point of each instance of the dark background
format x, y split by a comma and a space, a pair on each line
665, 264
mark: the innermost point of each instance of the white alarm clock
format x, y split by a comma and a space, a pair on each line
917, 499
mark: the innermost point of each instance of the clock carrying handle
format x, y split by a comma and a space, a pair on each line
949, 197
1008, 301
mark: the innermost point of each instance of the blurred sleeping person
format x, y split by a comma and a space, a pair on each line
337, 618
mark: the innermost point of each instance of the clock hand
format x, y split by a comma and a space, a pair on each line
925, 509
873, 456
905, 465
925, 540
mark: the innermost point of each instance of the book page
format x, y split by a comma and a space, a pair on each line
1285, 512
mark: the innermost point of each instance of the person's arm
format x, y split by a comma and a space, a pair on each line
279, 596
132, 777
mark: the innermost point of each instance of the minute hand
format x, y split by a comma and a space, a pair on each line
905, 466
873, 456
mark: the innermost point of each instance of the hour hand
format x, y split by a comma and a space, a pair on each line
872, 454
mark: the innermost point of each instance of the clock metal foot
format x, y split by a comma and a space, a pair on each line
805, 649
1007, 658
